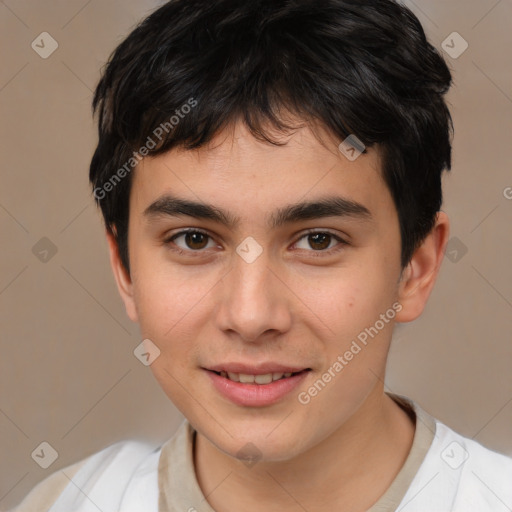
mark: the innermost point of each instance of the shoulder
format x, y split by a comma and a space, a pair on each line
103, 476
484, 476
458, 474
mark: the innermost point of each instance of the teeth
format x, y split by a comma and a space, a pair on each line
244, 378
263, 379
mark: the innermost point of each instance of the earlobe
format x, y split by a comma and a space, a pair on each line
122, 277
419, 277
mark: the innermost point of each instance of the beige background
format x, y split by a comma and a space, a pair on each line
68, 375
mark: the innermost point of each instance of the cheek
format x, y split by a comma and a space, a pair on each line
171, 313
350, 300
357, 333
167, 299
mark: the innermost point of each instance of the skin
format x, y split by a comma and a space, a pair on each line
294, 305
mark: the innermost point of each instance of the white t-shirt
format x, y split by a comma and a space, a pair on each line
444, 472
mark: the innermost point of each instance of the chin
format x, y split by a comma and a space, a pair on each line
261, 441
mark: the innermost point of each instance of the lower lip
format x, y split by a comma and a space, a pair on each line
256, 395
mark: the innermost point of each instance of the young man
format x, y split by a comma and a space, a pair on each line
270, 178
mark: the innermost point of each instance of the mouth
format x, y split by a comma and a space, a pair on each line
256, 386
265, 378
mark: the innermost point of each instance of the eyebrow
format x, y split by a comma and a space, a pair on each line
332, 206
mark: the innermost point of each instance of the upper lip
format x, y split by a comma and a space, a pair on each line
259, 369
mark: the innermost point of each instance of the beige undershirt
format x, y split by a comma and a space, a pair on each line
180, 491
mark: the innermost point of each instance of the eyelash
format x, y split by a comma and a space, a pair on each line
169, 241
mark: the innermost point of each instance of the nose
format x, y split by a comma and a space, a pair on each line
255, 303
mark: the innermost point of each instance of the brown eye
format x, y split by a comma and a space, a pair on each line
196, 240
319, 241
191, 240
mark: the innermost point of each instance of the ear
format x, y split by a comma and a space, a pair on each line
418, 278
122, 277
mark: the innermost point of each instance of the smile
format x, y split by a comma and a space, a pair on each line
255, 390
245, 378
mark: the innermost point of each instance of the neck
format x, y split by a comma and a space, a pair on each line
351, 469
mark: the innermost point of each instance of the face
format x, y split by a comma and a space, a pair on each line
252, 259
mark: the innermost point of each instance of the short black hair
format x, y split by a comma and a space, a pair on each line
362, 68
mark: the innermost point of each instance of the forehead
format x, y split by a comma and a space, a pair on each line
240, 173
